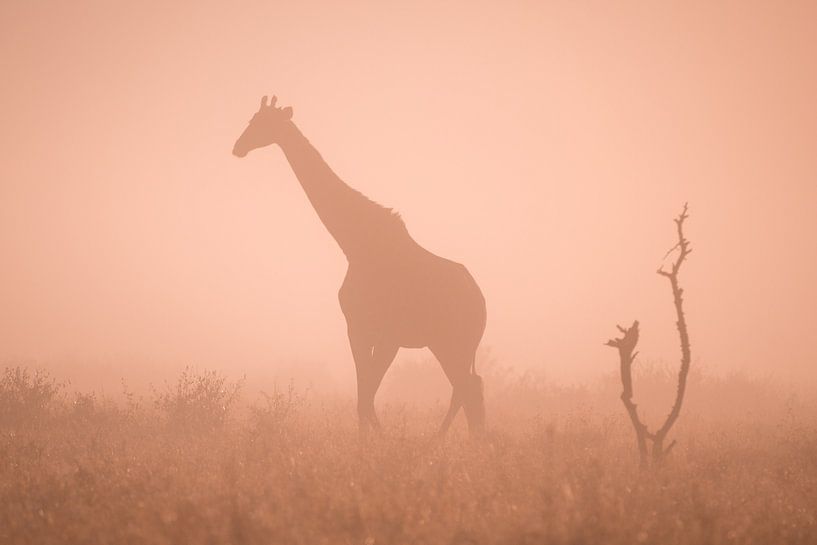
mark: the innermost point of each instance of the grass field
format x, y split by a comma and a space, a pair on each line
202, 461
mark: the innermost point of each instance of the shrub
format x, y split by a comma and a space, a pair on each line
84, 404
27, 396
276, 410
197, 400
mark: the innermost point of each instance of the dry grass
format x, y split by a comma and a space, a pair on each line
193, 464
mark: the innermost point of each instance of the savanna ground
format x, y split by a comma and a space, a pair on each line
206, 460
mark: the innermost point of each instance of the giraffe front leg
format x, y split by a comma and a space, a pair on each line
368, 370
362, 354
371, 363
382, 357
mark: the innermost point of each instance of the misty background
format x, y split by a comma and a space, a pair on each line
545, 146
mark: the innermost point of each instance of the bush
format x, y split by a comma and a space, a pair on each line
198, 400
84, 404
27, 396
276, 410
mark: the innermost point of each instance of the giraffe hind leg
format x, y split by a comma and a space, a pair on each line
453, 409
475, 404
467, 389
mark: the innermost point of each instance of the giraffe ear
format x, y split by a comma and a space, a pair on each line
287, 112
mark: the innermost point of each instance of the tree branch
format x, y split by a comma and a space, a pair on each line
626, 345
677, 294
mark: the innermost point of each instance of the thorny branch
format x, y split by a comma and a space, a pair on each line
626, 345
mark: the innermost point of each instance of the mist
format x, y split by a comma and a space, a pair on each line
256, 257
546, 146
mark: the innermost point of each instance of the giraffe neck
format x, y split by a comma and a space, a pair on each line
359, 226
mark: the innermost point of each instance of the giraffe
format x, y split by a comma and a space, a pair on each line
395, 293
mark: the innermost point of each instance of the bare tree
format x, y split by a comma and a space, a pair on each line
626, 345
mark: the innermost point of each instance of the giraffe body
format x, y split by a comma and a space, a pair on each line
421, 300
395, 293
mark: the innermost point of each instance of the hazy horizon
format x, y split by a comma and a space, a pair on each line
546, 147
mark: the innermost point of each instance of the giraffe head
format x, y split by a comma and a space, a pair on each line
264, 128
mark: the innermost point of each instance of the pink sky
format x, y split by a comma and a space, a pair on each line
547, 146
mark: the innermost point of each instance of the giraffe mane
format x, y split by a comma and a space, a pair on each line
391, 215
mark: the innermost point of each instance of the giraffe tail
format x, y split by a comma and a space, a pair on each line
476, 381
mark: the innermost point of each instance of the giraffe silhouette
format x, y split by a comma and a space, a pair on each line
396, 293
